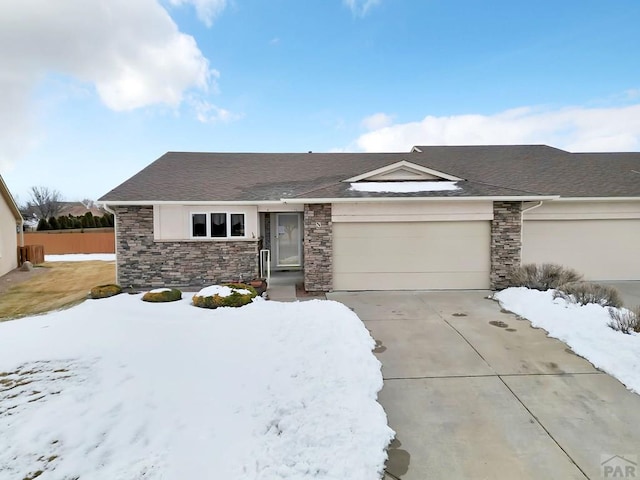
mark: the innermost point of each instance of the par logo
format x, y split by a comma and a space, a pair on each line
619, 466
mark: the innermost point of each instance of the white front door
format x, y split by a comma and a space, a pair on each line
288, 240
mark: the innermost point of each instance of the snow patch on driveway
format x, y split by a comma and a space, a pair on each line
583, 327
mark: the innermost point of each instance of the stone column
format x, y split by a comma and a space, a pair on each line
318, 248
506, 242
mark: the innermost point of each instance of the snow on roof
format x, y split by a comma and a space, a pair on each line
404, 187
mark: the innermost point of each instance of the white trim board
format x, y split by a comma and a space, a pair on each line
417, 170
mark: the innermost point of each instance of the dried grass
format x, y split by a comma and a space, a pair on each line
584, 293
63, 284
543, 277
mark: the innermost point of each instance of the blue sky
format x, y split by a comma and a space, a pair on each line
97, 89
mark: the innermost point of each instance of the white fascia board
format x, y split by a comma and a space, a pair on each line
599, 199
421, 199
416, 150
130, 203
11, 202
401, 164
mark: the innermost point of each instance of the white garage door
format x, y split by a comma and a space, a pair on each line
599, 249
411, 255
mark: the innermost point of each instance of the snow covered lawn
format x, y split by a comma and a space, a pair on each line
123, 389
584, 328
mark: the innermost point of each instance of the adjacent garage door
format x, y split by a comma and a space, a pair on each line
411, 255
599, 249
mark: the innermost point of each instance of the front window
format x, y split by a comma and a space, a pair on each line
237, 224
217, 225
199, 225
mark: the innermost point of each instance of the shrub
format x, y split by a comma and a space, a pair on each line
585, 292
104, 291
88, 221
63, 222
226, 295
43, 225
162, 295
53, 223
625, 320
543, 277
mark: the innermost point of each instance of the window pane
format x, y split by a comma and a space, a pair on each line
199, 225
218, 224
237, 224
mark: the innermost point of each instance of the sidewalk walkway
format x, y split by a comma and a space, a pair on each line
476, 393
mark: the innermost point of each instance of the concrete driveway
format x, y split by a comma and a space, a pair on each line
477, 393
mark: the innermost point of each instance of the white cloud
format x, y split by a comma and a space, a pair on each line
377, 121
130, 51
360, 7
207, 10
207, 112
577, 129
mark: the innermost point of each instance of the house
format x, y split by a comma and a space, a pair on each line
10, 224
433, 218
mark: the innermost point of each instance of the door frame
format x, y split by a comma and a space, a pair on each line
275, 247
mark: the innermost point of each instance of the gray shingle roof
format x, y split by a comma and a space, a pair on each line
488, 170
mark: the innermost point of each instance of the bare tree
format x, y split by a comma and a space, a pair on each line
88, 203
45, 202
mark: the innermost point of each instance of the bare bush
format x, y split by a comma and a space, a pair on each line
583, 293
625, 320
543, 277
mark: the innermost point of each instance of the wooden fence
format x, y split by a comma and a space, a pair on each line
55, 242
32, 253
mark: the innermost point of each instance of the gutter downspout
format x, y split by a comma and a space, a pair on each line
21, 232
115, 231
522, 212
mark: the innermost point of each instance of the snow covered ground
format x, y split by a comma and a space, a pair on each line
80, 257
583, 328
123, 389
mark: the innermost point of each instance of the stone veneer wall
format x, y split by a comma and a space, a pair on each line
318, 248
506, 242
144, 262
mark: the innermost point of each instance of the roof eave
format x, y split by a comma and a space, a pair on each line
599, 199
140, 203
509, 198
13, 206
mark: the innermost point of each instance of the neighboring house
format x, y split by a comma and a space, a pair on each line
31, 213
78, 209
10, 223
433, 218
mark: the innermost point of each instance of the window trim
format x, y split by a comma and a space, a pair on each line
208, 225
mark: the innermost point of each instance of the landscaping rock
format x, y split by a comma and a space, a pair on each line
27, 266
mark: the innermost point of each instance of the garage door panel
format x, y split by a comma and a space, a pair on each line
414, 260
416, 248
412, 281
405, 255
599, 249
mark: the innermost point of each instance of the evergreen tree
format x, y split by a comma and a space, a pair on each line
43, 225
53, 223
88, 221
